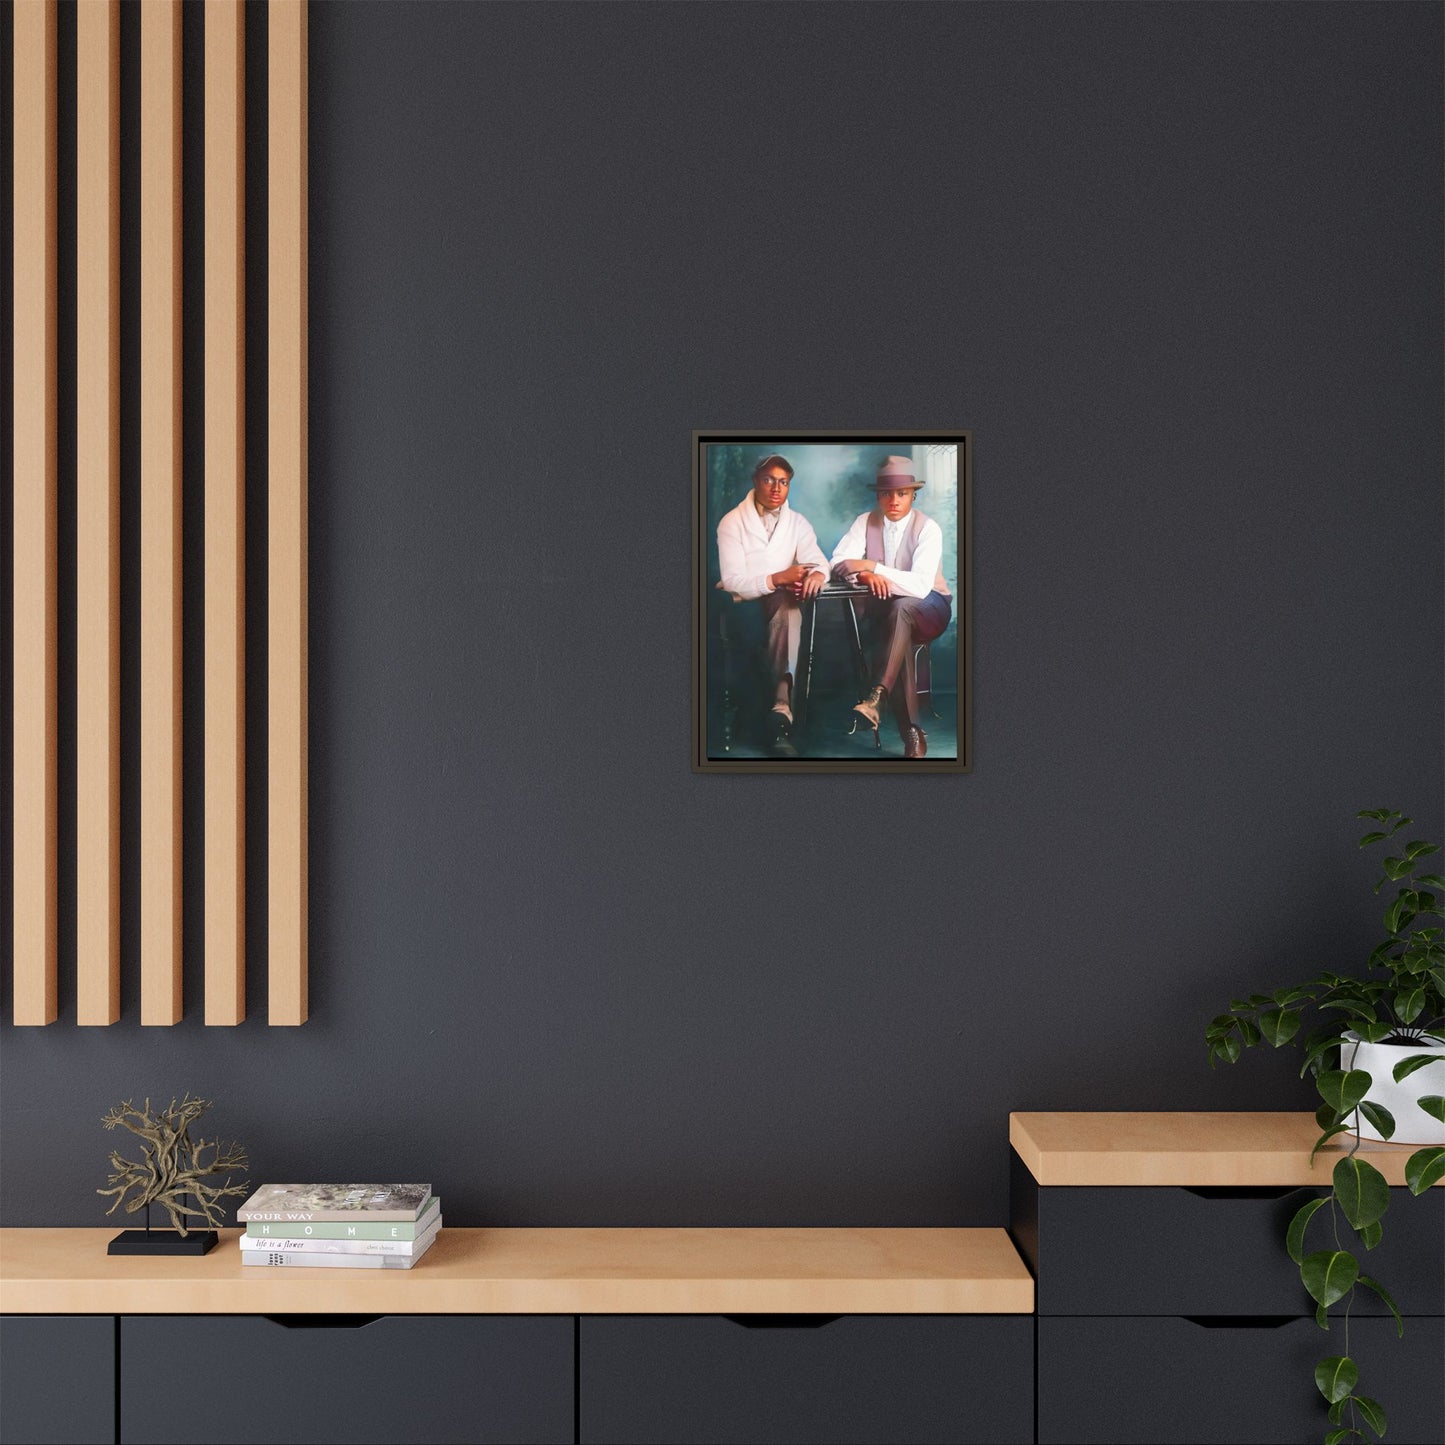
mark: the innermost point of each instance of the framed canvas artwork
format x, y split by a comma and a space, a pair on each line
831, 602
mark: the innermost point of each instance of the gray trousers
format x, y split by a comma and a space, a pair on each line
767, 631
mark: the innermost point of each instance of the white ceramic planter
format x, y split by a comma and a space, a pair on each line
1412, 1124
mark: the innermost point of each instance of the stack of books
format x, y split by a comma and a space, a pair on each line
339, 1226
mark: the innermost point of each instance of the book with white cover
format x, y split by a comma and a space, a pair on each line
411, 1247
310, 1259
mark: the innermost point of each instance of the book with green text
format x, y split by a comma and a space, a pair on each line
335, 1229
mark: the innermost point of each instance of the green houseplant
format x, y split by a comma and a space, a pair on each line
1400, 1000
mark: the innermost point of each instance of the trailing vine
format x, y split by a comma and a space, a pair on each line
1405, 1006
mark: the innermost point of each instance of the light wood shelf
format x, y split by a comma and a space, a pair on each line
543, 1271
1187, 1150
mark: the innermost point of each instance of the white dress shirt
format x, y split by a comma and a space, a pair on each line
919, 580
748, 555
892, 535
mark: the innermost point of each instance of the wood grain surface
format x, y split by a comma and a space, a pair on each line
545, 1271
1196, 1150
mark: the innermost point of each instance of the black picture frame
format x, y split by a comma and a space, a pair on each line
719, 745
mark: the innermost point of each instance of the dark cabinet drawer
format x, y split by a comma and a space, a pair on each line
780, 1378
346, 1379
1168, 1251
58, 1379
1180, 1382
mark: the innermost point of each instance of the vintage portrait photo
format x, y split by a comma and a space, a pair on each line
831, 627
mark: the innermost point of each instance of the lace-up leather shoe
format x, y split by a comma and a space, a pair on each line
870, 708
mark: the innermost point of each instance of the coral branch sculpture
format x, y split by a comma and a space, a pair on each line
172, 1166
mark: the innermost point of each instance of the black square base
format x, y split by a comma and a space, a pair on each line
163, 1241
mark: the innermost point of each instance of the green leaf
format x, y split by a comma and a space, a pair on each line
1432, 880
1329, 1275
1336, 1377
1318, 1048
1336, 1412
1322, 1318
1423, 1168
1343, 1089
1379, 813
1326, 1117
1372, 1234
1374, 1415
1361, 1191
1433, 1105
1249, 1031
1346, 1432
1401, 821
1384, 1294
1279, 1025
1420, 849
1380, 1117
1408, 1003
1226, 1049
1371, 838
1287, 996
1373, 1033
1397, 867
1379, 955
1294, 1240
1356, 1007
1401, 911
1325, 1139
1406, 1067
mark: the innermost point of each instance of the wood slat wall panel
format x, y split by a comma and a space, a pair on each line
97, 537
225, 513
160, 451
34, 706
97, 543
287, 600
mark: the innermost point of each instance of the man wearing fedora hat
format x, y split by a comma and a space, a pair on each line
897, 553
770, 561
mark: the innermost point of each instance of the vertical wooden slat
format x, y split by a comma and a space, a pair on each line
160, 523
286, 424
97, 542
34, 707
225, 513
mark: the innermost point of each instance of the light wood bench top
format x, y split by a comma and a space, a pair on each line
1192, 1150
543, 1271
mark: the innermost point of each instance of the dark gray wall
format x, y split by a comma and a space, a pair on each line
1177, 266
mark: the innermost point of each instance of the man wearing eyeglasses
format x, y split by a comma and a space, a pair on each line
897, 553
771, 562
